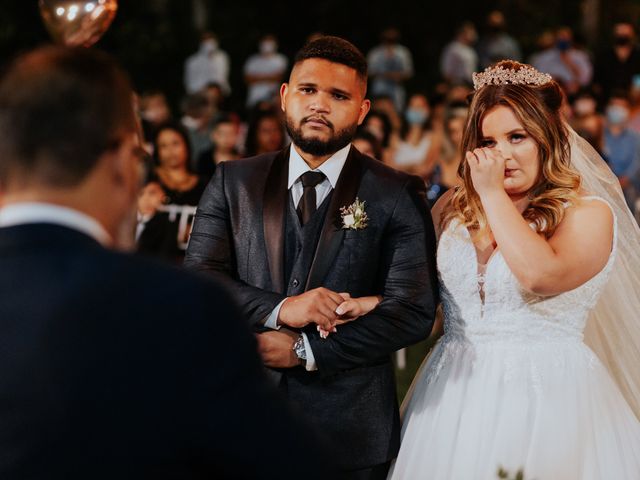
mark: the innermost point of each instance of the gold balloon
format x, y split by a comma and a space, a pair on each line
77, 23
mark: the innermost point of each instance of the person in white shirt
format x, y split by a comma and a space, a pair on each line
568, 65
459, 60
390, 65
210, 64
264, 71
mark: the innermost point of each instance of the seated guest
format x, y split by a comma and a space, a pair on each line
111, 366
156, 235
265, 133
224, 136
171, 153
367, 143
622, 146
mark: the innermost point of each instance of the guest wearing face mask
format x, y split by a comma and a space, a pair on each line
586, 120
584, 103
459, 60
154, 110
197, 118
264, 71
496, 44
390, 65
622, 146
414, 151
209, 64
567, 64
619, 65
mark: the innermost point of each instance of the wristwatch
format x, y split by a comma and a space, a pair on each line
300, 351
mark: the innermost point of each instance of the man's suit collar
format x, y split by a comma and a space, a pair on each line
39, 212
275, 201
44, 236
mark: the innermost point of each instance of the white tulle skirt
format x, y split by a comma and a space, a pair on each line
548, 409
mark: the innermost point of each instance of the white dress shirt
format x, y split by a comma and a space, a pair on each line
40, 212
297, 166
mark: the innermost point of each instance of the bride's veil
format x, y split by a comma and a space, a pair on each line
613, 327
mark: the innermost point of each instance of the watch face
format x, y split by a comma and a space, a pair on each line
299, 349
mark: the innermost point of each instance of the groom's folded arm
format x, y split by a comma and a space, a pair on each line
211, 250
409, 289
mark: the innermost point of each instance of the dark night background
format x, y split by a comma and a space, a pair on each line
152, 38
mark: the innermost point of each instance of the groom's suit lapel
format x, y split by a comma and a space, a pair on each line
332, 232
276, 195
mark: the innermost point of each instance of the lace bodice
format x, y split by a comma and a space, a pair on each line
508, 313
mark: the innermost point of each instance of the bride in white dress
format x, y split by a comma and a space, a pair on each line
539, 263
525, 251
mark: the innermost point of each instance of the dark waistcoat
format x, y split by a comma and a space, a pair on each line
300, 245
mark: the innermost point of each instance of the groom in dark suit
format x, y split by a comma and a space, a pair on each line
286, 232
111, 366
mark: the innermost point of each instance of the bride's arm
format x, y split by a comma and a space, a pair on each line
578, 250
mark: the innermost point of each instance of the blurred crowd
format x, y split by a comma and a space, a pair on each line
415, 130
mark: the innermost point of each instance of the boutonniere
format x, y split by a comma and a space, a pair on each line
354, 217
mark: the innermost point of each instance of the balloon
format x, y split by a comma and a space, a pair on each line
77, 23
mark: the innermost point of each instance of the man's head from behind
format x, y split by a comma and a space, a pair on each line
68, 126
324, 101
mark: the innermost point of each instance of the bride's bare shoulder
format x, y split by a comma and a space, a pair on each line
588, 223
590, 209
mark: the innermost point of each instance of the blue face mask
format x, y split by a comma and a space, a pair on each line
416, 116
617, 115
563, 45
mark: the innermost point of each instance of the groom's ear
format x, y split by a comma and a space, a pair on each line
284, 89
364, 109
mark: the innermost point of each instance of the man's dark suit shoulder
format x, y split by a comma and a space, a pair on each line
251, 165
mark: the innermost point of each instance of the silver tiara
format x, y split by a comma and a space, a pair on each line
526, 75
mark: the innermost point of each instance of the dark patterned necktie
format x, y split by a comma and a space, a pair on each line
307, 205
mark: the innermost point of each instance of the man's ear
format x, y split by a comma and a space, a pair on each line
125, 165
284, 89
364, 109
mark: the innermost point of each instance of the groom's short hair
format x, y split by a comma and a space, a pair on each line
336, 50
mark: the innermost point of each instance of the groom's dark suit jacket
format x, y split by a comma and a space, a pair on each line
114, 367
240, 235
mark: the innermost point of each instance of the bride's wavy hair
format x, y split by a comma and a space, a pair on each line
537, 108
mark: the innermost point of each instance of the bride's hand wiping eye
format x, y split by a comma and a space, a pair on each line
487, 169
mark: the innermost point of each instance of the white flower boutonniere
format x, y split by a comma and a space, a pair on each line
354, 217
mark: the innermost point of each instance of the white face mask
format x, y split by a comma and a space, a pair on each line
617, 114
268, 46
209, 46
584, 106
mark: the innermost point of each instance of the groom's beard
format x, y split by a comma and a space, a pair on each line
315, 146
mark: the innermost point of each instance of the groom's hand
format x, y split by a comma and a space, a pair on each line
315, 306
276, 348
